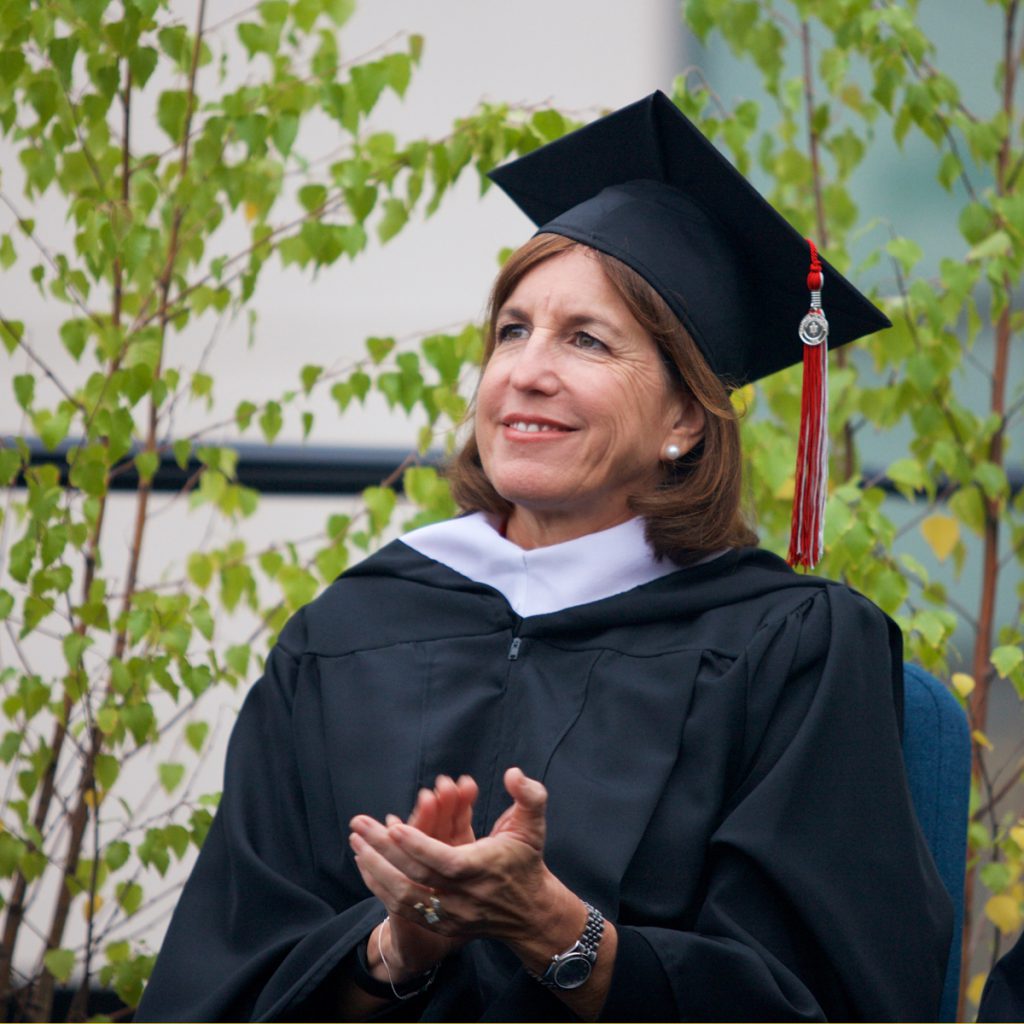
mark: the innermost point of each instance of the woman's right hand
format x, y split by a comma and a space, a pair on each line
445, 813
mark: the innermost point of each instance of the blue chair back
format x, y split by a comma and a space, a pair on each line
937, 755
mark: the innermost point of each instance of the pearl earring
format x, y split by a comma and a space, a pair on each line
672, 452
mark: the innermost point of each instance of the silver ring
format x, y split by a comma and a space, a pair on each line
432, 914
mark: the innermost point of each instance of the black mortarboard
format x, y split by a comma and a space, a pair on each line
644, 185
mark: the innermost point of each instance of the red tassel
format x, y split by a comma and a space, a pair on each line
807, 532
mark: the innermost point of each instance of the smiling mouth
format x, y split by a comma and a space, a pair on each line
533, 427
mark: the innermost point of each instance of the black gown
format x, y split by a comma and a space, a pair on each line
1003, 996
721, 749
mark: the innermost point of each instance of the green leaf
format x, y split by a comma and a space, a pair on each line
195, 734
129, 896
147, 463
11, 333
905, 251
75, 645
399, 68
200, 569
286, 128
998, 243
6, 603
176, 837
171, 110
60, 963
369, 81
237, 658
107, 770
182, 453
312, 197
12, 64
969, 507
91, 12
10, 746
271, 421
142, 61
379, 348
117, 854
309, 375
73, 335
992, 479
8, 256
380, 502
393, 220
25, 389
549, 123
139, 720
298, 585
1007, 659
339, 11
244, 413
908, 475
170, 775
62, 53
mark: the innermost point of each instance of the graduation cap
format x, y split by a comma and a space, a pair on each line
645, 186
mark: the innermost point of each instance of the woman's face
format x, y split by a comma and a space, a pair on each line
574, 409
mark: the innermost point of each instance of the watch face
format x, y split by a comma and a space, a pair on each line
572, 971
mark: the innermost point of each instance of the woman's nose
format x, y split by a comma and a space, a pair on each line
535, 367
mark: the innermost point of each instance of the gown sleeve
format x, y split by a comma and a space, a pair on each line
257, 929
820, 900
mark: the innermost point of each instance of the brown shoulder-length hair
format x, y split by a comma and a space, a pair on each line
696, 507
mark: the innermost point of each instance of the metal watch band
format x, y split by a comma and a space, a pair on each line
572, 968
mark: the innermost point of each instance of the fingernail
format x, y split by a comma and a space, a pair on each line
392, 819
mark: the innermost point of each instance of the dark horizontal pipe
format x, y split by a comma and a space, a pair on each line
323, 469
270, 469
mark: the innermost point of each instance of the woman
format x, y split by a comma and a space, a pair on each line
655, 774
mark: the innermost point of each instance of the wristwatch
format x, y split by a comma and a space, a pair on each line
572, 968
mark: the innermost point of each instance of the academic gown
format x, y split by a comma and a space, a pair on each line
720, 745
1003, 995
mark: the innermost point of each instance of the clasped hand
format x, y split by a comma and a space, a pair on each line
496, 886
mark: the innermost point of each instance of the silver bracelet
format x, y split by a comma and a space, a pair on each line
380, 952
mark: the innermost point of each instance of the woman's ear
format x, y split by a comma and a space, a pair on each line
687, 428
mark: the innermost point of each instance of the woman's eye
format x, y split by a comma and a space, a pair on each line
511, 332
588, 342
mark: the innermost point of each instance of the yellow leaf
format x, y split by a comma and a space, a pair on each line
1017, 835
91, 800
92, 906
975, 988
743, 399
251, 210
982, 740
786, 489
1004, 912
942, 534
963, 684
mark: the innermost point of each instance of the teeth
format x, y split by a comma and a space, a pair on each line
530, 428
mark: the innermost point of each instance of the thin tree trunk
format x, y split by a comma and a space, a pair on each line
981, 666
41, 1001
